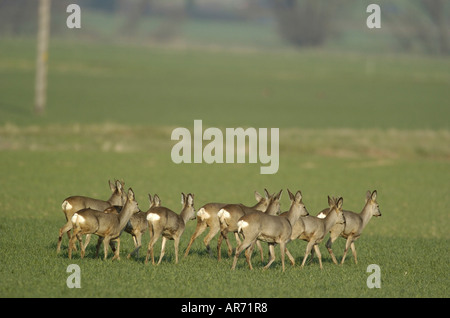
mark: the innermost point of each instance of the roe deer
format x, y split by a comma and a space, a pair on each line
230, 214
165, 222
353, 226
273, 229
76, 203
108, 226
207, 217
313, 229
138, 224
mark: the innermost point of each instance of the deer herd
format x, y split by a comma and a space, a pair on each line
251, 225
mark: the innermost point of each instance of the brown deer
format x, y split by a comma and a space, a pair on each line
273, 229
76, 203
138, 224
166, 223
353, 226
207, 217
230, 214
108, 226
313, 229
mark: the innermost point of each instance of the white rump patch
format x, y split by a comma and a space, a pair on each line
151, 217
77, 218
202, 214
66, 205
223, 214
241, 224
321, 215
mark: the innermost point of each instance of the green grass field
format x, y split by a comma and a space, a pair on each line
348, 123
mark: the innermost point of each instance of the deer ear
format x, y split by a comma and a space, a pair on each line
150, 198
183, 198
130, 194
119, 186
368, 195
340, 202
156, 200
330, 201
190, 199
266, 193
291, 196
112, 186
298, 196
374, 195
258, 196
279, 194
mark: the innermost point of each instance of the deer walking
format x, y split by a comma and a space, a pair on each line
313, 229
272, 229
77, 203
207, 216
138, 224
108, 226
230, 214
353, 226
166, 223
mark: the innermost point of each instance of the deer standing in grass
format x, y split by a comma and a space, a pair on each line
76, 203
313, 229
207, 216
273, 229
353, 226
166, 223
230, 214
108, 226
138, 224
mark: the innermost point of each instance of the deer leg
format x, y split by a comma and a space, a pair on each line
261, 252
116, 252
80, 241
308, 250
282, 252
138, 239
176, 242
291, 258
354, 252
86, 242
163, 248
150, 247
248, 255
65, 229
272, 256
105, 247
201, 227
71, 245
212, 232
316, 248
328, 246
347, 245
139, 243
239, 249
223, 235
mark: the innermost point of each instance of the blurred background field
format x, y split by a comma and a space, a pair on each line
357, 109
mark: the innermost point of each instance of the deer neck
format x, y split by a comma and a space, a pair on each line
293, 214
272, 209
365, 215
125, 215
330, 221
259, 206
184, 215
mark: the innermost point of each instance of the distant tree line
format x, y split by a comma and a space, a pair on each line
422, 24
